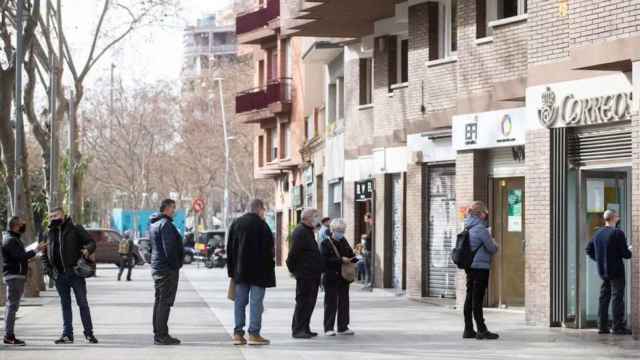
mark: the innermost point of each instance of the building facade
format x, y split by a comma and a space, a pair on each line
528, 105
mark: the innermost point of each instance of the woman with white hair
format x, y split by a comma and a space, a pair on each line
337, 253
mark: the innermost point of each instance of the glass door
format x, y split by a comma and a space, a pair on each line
599, 191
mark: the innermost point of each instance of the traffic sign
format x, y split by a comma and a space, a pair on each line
198, 205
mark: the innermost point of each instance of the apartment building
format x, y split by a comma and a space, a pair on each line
528, 105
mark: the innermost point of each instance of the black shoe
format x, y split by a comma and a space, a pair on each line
469, 334
91, 339
486, 335
128, 279
622, 331
302, 336
166, 340
11, 340
604, 331
313, 334
64, 339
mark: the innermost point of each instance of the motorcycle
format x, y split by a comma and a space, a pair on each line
218, 258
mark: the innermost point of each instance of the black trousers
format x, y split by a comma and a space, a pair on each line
613, 287
126, 262
166, 285
477, 282
306, 297
336, 300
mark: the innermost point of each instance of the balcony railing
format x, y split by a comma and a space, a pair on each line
278, 90
259, 18
210, 50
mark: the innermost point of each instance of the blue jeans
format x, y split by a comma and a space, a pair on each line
64, 283
253, 295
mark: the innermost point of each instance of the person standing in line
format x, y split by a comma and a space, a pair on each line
336, 252
324, 231
125, 249
307, 264
166, 260
251, 265
67, 244
609, 248
482, 244
367, 240
15, 262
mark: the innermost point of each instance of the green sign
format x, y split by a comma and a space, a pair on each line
514, 211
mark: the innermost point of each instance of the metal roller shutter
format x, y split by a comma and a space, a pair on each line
442, 231
396, 228
503, 164
592, 146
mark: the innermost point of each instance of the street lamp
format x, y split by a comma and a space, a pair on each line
225, 210
19, 144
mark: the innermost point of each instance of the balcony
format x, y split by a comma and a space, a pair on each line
257, 26
221, 49
262, 103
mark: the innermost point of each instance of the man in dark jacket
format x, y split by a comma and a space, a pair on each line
125, 250
15, 265
67, 243
251, 265
307, 264
166, 260
608, 247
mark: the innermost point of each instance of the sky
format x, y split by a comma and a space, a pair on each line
148, 55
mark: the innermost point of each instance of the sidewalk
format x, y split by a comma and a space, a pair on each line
387, 327
390, 327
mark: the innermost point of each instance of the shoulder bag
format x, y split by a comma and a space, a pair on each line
348, 271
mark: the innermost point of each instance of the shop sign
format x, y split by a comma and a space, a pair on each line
296, 197
514, 212
364, 190
489, 129
307, 175
571, 111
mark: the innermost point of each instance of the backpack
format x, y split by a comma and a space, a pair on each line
124, 247
461, 254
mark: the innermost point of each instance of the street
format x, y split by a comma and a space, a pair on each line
386, 326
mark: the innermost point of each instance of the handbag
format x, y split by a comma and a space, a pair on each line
231, 291
85, 268
348, 271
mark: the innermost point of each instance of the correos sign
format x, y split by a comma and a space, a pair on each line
490, 129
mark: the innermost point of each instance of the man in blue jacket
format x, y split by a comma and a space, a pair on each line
478, 274
166, 260
608, 247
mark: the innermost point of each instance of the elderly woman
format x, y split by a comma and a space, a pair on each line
336, 252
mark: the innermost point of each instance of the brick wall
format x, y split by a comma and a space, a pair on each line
596, 21
414, 226
359, 124
537, 227
471, 185
548, 32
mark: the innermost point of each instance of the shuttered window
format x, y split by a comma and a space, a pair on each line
481, 19
599, 146
433, 14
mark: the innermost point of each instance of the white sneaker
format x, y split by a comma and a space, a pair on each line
346, 332
330, 333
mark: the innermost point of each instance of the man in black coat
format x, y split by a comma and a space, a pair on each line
15, 266
307, 264
251, 265
167, 253
67, 243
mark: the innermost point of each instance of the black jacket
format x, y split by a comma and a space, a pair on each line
333, 263
15, 258
305, 260
250, 252
608, 247
167, 252
64, 246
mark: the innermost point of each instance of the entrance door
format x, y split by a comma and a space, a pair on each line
599, 191
507, 279
441, 272
396, 231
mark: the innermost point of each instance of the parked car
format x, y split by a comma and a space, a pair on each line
107, 242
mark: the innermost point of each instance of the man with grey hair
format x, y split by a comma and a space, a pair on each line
608, 248
251, 265
307, 264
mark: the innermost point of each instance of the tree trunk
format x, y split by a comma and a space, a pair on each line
7, 137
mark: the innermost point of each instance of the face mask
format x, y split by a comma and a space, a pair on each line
56, 222
22, 229
338, 235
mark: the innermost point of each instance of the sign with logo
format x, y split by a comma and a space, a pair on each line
198, 205
490, 129
296, 197
364, 190
592, 101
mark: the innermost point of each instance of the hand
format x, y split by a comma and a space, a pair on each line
41, 246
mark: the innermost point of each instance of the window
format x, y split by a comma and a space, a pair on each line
285, 136
261, 77
309, 128
404, 61
272, 69
398, 60
260, 151
443, 29
272, 145
366, 81
340, 98
332, 103
491, 10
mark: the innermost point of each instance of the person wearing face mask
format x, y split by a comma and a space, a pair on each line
305, 263
67, 243
336, 252
15, 266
